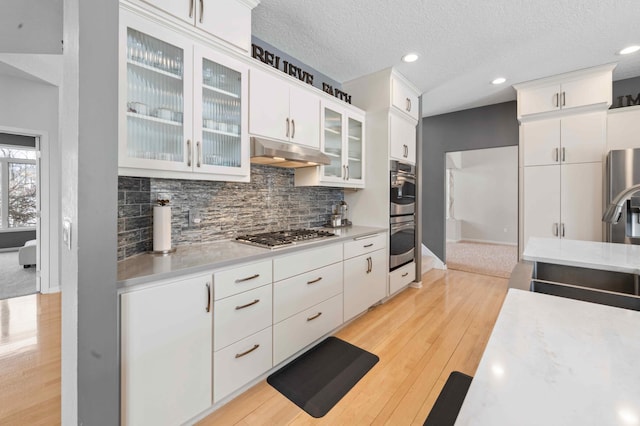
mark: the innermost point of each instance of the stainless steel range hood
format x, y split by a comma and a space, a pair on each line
273, 153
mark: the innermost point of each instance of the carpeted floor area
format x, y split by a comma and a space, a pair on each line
482, 258
15, 280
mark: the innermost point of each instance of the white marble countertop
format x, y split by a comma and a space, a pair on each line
557, 361
586, 254
194, 258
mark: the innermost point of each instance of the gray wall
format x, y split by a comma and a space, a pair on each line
630, 86
269, 202
486, 127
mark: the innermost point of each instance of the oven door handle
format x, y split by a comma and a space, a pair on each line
395, 228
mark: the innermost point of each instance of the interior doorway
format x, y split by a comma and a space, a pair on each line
20, 263
481, 190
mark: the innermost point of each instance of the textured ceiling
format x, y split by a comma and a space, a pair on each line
463, 45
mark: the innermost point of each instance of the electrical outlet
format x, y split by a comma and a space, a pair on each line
66, 233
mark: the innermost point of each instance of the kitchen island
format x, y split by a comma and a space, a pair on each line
557, 361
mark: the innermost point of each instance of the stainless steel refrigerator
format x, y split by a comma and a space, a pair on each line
623, 171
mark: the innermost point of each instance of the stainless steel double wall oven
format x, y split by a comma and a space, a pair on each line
402, 220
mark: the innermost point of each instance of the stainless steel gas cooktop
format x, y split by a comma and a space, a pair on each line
277, 239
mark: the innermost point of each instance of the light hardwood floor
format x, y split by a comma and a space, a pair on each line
30, 360
420, 336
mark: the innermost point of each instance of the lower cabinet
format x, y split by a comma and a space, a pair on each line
365, 282
166, 352
302, 329
401, 277
241, 362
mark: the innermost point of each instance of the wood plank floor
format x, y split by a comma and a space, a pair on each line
420, 336
30, 360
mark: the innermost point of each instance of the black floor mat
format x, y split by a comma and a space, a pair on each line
447, 406
319, 378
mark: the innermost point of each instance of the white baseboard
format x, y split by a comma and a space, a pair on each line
51, 290
471, 240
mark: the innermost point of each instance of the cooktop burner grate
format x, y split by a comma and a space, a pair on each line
279, 239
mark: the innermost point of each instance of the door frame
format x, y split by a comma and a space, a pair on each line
45, 241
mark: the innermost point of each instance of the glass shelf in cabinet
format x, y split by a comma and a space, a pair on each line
154, 69
222, 92
153, 119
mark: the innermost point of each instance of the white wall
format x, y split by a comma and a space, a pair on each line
31, 105
486, 195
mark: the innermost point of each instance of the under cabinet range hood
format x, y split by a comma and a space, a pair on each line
273, 153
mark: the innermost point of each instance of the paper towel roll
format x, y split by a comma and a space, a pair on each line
161, 228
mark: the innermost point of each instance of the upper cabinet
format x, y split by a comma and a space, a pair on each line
183, 106
584, 90
402, 138
404, 97
342, 139
229, 20
283, 111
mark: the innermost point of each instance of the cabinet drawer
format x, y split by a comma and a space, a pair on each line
238, 316
300, 330
364, 245
402, 277
236, 280
238, 364
301, 292
296, 264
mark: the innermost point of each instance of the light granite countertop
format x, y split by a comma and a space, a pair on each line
557, 361
585, 254
194, 258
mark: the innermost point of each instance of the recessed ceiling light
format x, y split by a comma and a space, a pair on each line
499, 80
629, 49
410, 57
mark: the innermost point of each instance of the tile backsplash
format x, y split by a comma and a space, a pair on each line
225, 209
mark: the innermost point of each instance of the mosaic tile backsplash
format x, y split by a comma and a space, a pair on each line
269, 202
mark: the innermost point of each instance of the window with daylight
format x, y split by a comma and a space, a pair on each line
18, 187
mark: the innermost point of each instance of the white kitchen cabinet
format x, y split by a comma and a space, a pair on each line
563, 201
401, 277
571, 139
305, 261
241, 362
402, 138
342, 139
241, 315
229, 20
166, 352
241, 278
365, 273
283, 111
305, 327
404, 97
183, 106
588, 89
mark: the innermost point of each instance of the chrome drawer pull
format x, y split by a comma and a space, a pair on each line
314, 316
240, 355
247, 305
314, 281
252, 277
405, 274
367, 245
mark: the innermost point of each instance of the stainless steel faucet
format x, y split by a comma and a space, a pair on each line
614, 210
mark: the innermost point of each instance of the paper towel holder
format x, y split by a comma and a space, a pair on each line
163, 252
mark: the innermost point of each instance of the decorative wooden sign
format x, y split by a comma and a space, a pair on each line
275, 61
627, 100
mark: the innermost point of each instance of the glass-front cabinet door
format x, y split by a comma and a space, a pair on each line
332, 137
155, 97
355, 149
220, 114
